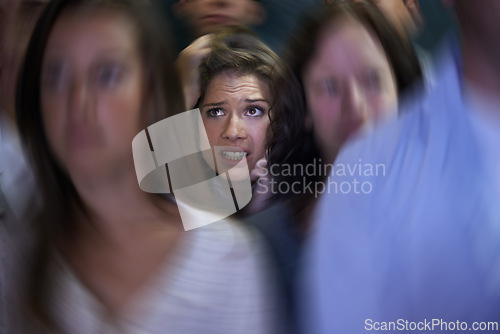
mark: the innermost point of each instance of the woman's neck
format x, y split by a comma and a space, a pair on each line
117, 208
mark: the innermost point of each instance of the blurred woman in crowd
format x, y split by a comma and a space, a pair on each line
110, 257
350, 68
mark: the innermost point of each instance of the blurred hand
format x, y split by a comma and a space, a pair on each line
188, 63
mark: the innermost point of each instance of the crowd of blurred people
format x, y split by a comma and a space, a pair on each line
354, 176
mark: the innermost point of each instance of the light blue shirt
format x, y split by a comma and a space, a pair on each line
423, 243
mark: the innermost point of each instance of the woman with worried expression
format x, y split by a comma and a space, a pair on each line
239, 81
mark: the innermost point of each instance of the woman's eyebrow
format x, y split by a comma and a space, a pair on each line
216, 104
256, 100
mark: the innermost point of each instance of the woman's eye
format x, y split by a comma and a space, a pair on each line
215, 112
108, 75
254, 112
332, 87
55, 76
373, 81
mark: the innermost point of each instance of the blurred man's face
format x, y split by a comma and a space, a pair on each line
403, 14
207, 16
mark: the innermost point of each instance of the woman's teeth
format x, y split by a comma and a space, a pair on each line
234, 155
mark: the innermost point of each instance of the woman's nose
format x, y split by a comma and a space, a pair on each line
354, 100
78, 98
235, 129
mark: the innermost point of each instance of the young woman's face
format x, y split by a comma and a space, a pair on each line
92, 91
348, 83
235, 112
